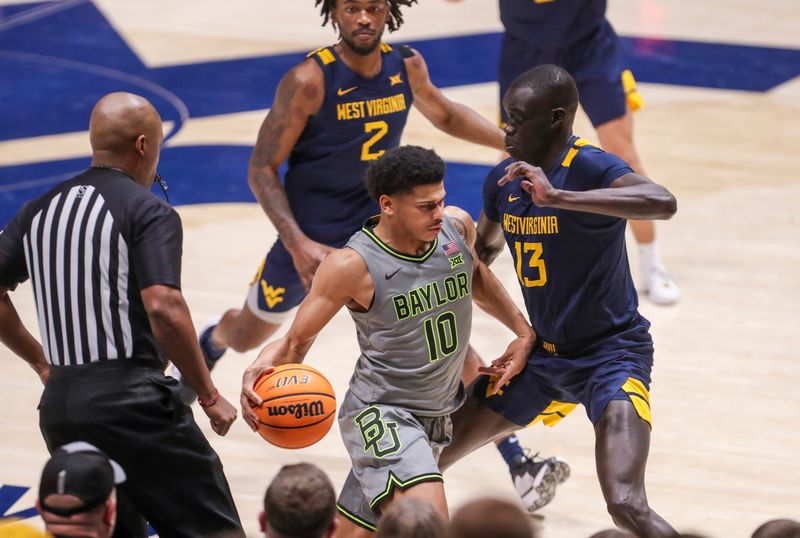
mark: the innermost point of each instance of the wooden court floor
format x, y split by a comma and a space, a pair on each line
724, 450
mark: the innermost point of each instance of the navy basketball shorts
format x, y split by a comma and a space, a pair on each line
605, 86
552, 383
276, 289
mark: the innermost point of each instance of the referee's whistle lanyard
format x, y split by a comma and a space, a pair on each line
158, 179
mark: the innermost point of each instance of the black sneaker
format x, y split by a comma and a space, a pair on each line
535, 479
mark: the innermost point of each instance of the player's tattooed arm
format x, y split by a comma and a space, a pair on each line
490, 295
299, 95
463, 224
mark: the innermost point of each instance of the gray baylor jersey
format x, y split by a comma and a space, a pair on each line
414, 337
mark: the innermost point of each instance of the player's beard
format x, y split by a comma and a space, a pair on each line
364, 50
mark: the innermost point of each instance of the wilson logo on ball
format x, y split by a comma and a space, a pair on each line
305, 409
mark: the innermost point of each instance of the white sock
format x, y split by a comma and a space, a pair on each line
649, 257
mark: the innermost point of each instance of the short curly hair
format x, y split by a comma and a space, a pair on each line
401, 169
394, 22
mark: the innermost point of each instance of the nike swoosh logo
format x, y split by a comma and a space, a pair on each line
341, 91
512, 198
390, 275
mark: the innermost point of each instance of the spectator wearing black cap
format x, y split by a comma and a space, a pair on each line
77, 492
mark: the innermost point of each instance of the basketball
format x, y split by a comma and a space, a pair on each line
298, 406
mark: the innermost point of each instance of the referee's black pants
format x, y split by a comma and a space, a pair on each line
130, 410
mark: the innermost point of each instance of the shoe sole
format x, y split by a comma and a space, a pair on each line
560, 469
555, 472
546, 489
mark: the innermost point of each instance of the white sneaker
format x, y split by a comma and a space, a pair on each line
658, 286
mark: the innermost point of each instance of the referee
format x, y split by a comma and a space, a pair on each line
104, 258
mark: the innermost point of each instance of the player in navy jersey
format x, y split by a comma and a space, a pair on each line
560, 205
576, 35
333, 114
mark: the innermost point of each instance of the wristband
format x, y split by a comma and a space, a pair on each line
211, 401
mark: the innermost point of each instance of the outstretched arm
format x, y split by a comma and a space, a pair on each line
453, 118
490, 295
17, 338
630, 196
299, 95
342, 279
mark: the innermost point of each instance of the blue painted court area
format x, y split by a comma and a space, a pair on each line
201, 175
55, 66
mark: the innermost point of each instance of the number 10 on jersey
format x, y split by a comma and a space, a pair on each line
441, 335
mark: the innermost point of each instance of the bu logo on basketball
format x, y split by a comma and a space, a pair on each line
305, 409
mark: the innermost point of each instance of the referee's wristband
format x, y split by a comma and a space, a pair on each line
211, 401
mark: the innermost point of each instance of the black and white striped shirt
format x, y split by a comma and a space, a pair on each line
89, 246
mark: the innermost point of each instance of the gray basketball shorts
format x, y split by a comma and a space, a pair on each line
390, 449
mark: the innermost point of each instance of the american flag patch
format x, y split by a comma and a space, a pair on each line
451, 248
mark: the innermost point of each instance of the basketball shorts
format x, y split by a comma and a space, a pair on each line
605, 85
554, 382
276, 289
390, 449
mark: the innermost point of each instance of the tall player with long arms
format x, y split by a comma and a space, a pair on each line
561, 206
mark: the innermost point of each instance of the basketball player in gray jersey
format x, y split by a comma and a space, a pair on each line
408, 279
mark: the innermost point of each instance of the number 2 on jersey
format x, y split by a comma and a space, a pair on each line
535, 262
382, 128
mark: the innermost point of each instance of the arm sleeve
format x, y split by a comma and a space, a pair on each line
598, 169
13, 267
157, 245
491, 190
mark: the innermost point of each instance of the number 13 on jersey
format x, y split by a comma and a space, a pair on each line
533, 253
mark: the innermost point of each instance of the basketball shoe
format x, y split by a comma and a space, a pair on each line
535, 479
211, 355
656, 284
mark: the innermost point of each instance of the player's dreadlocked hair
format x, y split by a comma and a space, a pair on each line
395, 16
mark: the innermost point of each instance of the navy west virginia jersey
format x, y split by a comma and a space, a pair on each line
552, 24
359, 120
572, 266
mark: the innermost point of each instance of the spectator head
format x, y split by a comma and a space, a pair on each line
491, 517
299, 503
611, 533
410, 517
77, 495
778, 528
